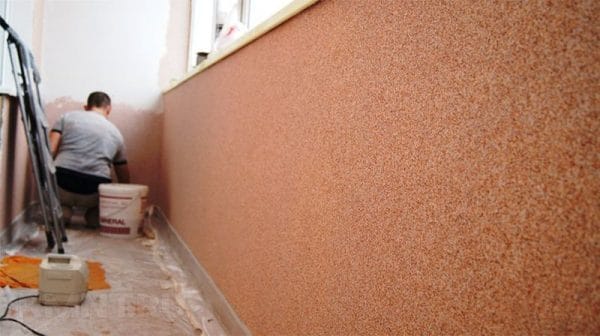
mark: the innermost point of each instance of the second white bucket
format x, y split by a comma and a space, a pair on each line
122, 209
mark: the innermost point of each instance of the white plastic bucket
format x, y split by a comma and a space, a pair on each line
122, 209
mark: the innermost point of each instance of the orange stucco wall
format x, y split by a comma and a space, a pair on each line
398, 167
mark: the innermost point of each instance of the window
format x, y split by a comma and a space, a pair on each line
6, 81
210, 17
19, 15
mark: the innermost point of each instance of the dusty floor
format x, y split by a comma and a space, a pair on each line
150, 293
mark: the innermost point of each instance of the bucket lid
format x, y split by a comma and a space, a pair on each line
122, 189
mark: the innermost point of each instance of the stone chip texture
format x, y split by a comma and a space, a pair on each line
398, 167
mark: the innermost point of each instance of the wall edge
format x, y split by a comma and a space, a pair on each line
20, 230
221, 308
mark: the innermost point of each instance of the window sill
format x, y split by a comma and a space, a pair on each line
280, 17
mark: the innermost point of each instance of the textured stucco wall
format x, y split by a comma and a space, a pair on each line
398, 167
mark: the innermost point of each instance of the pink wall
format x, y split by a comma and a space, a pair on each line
141, 131
398, 167
16, 190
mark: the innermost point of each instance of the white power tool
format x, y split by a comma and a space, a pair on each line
63, 280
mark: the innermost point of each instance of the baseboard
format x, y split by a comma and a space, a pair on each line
210, 292
20, 230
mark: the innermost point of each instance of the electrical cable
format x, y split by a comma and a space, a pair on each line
8, 319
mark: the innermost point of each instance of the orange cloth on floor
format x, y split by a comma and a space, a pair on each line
24, 272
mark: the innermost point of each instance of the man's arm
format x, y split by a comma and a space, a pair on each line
54, 142
122, 171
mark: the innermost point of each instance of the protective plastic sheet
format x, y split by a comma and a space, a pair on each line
150, 295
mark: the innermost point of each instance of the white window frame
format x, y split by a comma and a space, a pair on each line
203, 24
289, 11
7, 82
202, 29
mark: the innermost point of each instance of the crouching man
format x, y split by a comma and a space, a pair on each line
85, 146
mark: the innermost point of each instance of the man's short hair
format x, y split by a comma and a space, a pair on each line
98, 99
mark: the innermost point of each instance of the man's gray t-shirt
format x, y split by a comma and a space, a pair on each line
90, 144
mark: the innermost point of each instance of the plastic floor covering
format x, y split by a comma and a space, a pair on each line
150, 293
